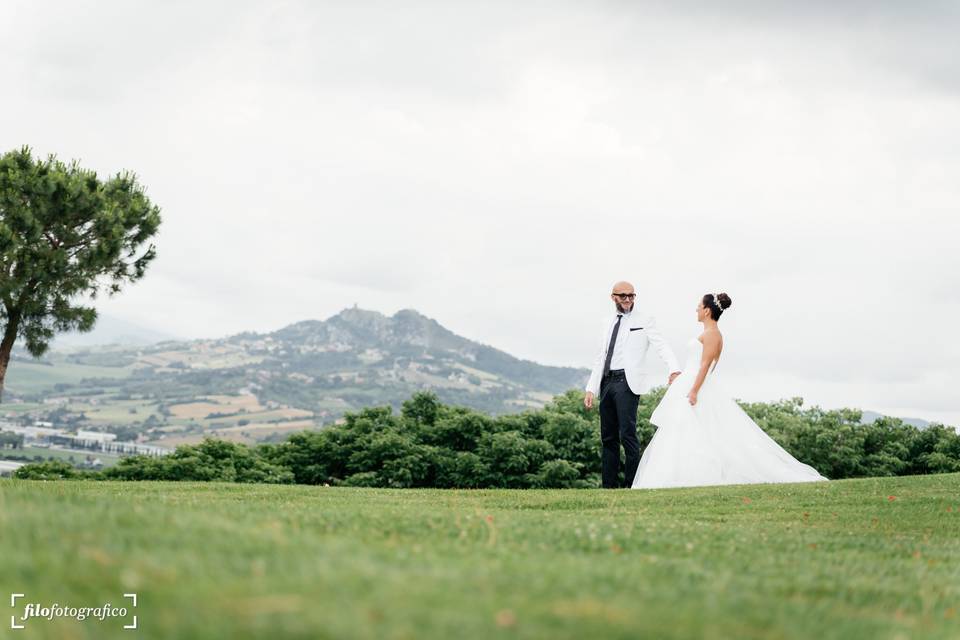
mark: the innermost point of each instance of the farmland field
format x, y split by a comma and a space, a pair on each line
875, 558
246, 434
32, 377
71, 455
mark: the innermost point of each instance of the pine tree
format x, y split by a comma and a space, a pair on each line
65, 237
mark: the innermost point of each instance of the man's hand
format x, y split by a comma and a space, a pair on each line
673, 376
588, 400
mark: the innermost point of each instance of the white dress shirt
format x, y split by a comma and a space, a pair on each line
619, 360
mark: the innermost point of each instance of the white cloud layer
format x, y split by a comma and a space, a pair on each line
497, 167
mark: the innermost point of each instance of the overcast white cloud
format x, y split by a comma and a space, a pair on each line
497, 167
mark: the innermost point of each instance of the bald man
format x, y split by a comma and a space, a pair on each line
618, 378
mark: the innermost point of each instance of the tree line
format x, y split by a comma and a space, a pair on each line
431, 444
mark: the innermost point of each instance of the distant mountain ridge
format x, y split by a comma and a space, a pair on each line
412, 348
408, 334
869, 417
314, 370
112, 331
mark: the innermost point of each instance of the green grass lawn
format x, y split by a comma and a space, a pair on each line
875, 558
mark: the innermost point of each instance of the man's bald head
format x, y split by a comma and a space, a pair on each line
623, 296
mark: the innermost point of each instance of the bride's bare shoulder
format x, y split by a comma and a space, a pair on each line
711, 336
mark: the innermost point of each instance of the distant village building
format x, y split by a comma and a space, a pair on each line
44, 436
39, 431
94, 436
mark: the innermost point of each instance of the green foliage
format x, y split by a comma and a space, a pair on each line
559, 474
430, 444
211, 460
458, 431
435, 445
838, 445
462, 469
49, 470
65, 235
423, 408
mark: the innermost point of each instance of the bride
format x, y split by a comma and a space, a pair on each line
704, 437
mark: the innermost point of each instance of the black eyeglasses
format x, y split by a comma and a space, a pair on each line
625, 296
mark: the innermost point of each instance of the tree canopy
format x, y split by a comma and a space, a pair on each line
431, 444
66, 237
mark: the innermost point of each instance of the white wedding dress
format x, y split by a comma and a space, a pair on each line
713, 442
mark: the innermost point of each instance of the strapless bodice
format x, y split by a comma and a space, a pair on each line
694, 356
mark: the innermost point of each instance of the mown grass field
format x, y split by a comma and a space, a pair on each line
876, 558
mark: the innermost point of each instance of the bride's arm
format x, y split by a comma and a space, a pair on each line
711, 349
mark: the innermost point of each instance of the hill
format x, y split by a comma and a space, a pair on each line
260, 386
870, 417
873, 558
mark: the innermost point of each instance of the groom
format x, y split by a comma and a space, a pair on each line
618, 379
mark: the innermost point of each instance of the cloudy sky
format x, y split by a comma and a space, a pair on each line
498, 167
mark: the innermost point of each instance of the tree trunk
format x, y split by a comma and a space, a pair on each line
6, 347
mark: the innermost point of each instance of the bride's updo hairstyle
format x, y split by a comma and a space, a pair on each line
716, 302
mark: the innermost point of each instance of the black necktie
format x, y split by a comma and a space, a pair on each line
613, 343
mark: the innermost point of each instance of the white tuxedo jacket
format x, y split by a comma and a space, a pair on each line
637, 333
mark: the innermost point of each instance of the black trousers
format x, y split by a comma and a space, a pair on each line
618, 425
